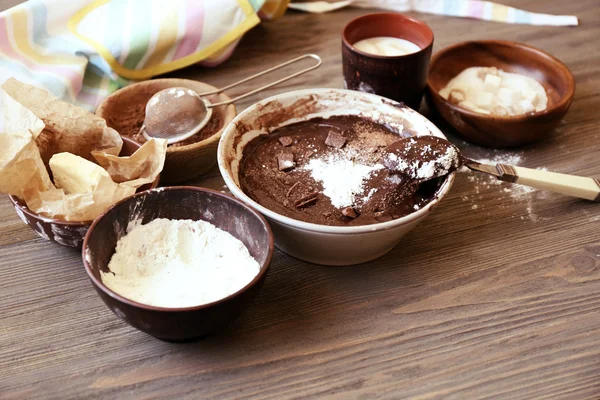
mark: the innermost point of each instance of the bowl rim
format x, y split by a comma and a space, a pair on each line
23, 207
388, 13
99, 284
566, 99
174, 149
309, 226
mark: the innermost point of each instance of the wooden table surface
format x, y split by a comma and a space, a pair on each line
496, 295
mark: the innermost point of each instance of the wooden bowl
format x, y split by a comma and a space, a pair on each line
68, 233
496, 131
221, 210
184, 161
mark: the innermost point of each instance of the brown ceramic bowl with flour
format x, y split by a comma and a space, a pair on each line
124, 111
67, 233
496, 131
221, 210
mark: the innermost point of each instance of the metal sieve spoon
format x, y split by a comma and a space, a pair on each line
178, 113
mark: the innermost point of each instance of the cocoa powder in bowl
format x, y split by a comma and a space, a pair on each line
126, 114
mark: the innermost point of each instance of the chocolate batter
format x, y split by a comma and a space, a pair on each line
274, 172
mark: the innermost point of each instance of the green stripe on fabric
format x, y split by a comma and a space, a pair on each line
140, 34
256, 4
93, 76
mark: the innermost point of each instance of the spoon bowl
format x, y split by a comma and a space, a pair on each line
176, 114
421, 158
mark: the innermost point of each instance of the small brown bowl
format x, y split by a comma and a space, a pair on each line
184, 161
221, 210
496, 131
68, 233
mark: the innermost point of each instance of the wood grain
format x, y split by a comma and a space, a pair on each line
496, 295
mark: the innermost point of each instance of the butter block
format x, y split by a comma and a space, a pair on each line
523, 107
456, 96
484, 100
468, 105
508, 97
492, 83
530, 95
75, 174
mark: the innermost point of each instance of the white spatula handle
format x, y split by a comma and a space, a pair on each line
571, 185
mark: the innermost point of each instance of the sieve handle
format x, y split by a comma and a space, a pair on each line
277, 82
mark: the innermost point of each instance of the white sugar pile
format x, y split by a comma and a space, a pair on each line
342, 179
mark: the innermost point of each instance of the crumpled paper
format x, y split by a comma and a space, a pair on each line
35, 125
67, 128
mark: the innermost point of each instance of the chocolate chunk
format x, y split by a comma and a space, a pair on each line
335, 139
285, 161
302, 194
286, 141
294, 187
349, 212
306, 200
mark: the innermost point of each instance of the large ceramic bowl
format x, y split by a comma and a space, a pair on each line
223, 211
320, 244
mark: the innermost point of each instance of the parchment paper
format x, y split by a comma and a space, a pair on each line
34, 126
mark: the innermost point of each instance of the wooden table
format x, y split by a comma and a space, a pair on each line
496, 295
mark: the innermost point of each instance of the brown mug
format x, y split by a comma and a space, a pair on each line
401, 78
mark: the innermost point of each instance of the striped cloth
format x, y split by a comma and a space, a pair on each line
476, 9
82, 50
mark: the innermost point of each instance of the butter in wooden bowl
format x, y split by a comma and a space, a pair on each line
488, 90
63, 166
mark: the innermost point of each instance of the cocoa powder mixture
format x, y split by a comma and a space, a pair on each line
275, 171
127, 117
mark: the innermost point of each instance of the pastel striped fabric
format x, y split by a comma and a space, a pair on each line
477, 9
82, 50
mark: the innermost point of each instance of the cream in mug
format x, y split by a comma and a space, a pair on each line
386, 46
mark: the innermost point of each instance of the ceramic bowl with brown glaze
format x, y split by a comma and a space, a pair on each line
67, 233
221, 210
400, 78
496, 131
124, 110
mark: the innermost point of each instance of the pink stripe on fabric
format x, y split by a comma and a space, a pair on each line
222, 58
475, 9
74, 78
91, 99
194, 23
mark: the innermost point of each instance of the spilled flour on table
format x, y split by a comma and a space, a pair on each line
481, 182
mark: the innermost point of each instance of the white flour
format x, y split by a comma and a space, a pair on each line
342, 179
487, 185
428, 169
179, 263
